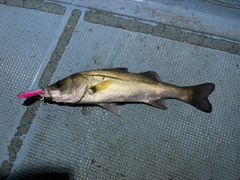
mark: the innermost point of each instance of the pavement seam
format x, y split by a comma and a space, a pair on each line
36, 5
163, 30
30, 114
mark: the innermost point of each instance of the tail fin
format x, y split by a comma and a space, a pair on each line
200, 95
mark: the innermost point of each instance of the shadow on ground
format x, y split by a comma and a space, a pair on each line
41, 173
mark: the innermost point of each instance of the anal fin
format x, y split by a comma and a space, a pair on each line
112, 107
159, 103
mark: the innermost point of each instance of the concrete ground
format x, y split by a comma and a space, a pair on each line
45, 41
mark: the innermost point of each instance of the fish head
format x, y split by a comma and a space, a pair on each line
60, 91
67, 90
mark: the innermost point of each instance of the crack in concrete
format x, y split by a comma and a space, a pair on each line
37, 5
98, 17
162, 30
61, 46
30, 114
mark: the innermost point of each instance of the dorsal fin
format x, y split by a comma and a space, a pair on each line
121, 69
151, 75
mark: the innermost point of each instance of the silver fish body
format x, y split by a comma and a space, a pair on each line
106, 87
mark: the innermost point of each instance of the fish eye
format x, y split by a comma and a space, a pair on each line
58, 84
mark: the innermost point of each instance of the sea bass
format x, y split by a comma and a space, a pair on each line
107, 87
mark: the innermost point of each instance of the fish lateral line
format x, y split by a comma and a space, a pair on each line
103, 76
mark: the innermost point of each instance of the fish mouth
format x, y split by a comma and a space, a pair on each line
52, 95
47, 94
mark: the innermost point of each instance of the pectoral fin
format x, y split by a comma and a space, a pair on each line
112, 107
159, 103
101, 86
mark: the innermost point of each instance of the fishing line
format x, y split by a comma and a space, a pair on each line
109, 53
105, 62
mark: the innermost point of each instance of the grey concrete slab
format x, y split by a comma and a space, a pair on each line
144, 142
215, 17
162, 30
26, 43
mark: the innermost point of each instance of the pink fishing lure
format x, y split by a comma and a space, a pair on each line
28, 94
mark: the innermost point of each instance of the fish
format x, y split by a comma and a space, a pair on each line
108, 87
